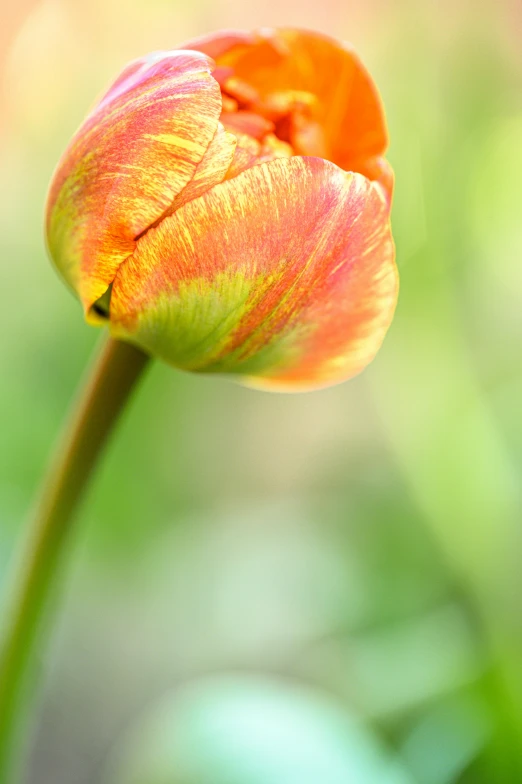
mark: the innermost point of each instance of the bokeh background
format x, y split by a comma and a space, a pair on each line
264, 589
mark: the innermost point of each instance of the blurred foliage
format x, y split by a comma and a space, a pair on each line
359, 547
255, 730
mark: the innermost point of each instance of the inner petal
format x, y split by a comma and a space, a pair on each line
343, 122
252, 124
263, 129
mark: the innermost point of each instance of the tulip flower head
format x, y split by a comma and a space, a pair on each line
226, 207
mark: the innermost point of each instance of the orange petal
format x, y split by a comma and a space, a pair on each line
349, 107
248, 123
135, 152
247, 153
379, 170
244, 93
210, 171
274, 148
216, 45
293, 288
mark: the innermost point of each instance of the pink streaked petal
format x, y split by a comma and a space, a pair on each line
152, 69
135, 152
310, 257
211, 170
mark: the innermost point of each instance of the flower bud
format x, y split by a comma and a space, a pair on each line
226, 207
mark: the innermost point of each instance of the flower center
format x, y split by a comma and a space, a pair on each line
277, 125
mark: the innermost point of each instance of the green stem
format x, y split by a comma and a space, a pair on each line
103, 397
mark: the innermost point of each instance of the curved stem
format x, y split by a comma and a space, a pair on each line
103, 397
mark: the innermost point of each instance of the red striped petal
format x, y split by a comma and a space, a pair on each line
135, 152
284, 275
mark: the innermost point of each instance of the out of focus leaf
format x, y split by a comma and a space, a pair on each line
253, 730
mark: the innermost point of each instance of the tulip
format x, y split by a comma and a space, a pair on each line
226, 207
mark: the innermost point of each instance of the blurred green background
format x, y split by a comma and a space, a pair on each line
265, 589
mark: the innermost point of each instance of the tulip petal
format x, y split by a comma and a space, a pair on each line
215, 45
247, 154
135, 152
284, 274
349, 106
211, 170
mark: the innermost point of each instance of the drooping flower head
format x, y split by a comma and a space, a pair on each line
226, 207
